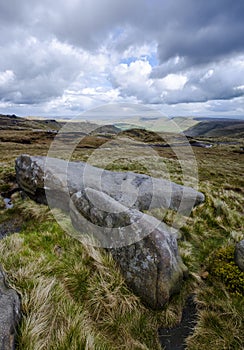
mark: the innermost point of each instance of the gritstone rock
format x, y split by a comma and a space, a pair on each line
9, 314
58, 179
151, 266
239, 254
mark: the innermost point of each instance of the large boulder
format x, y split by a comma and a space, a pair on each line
109, 205
239, 254
150, 264
57, 180
9, 315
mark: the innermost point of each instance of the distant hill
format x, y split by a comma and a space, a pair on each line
191, 126
158, 124
217, 128
13, 122
218, 119
107, 129
142, 135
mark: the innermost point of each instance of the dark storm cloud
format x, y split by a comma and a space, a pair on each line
197, 30
12, 11
203, 31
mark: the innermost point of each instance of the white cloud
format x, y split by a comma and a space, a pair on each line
6, 77
132, 75
173, 82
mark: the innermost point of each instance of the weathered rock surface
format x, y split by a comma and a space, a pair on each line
239, 254
109, 205
151, 266
60, 179
9, 315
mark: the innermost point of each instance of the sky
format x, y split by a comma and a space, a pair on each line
181, 57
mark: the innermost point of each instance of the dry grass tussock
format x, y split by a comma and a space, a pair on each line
76, 299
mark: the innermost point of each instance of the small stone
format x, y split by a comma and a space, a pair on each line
57, 250
239, 254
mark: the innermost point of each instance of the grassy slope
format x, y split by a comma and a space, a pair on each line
215, 128
13, 122
74, 296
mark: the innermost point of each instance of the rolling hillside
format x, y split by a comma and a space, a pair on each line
158, 124
217, 128
12, 122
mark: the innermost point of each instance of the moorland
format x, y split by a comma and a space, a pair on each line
73, 296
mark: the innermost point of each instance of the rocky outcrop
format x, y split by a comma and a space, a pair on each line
109, 205
59, 180
151, 264
239, 254
9, 315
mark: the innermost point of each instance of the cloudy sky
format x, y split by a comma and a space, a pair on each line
182, 57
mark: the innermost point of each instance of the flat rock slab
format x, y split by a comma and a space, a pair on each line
9, 314
58, 179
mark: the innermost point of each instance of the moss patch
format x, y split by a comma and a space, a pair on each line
223, 267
